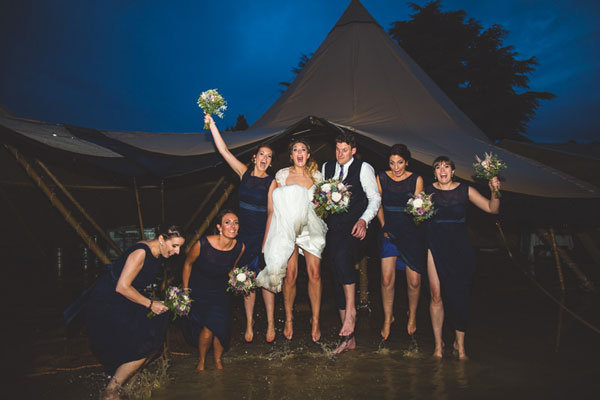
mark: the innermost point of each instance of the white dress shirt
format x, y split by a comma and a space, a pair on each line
369, 184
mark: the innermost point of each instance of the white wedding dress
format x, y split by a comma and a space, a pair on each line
294, 222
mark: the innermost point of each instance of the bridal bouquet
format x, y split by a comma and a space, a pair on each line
332, 197
489, 168
178, 300
241, 281
420, 207
211, 102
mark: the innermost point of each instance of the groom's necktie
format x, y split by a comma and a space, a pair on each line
341, 176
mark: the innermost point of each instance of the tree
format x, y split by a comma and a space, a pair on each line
240, 124
296, 70
473, 67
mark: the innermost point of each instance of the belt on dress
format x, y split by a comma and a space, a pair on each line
394, 209
252, 207
450, 221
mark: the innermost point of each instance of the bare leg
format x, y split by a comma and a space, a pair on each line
388, 281
349, 342
204, 341
313, 267
350, 314
413, 284
269, 299
122, 374
436, 307
218, 352
459, 345
289, 293
249, 301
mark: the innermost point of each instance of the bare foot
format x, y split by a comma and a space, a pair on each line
439, 351
270, 333
111, 394
385, 329
288, 330
349, 321
411, 326
218, 364
249, 335
460, 353
316, 331
200, 366
347, 344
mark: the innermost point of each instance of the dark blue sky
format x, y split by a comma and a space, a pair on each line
141, 64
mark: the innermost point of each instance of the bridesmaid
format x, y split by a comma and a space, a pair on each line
254, 195
121, 336
450, 258
205, 271
403, 243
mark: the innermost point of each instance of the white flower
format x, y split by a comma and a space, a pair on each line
326, 188
485, 163
241, 277
336, 196
417, 203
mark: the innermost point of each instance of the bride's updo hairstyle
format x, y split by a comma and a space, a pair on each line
311, 165
169, 231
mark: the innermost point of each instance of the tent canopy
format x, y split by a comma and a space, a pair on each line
359, 79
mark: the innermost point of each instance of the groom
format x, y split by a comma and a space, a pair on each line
346, 230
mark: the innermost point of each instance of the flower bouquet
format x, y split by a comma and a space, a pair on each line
420, 207
178, 300
211, 102
241, 281
489, 168
331, 197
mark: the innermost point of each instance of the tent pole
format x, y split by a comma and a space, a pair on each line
499, 225
364, 283
80, 208
139, 208
162, 201
203, 204
200, 231
58, 204
562, 288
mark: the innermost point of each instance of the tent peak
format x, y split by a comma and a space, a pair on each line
355, 12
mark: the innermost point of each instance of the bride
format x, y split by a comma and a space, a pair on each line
293, 227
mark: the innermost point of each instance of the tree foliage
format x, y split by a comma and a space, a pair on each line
240, 124
296, 70
473, 67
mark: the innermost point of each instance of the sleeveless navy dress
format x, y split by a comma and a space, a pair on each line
211, 301
253, 197
118, 328
407, 240
448, 240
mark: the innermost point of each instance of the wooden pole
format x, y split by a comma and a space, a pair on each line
58, 204
200, 231
162, 202
139, 209
499, 225
562, 288
364, 282
203, 204
80, 208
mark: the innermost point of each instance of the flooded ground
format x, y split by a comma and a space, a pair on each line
511, 342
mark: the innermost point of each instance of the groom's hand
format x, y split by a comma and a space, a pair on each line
359, 230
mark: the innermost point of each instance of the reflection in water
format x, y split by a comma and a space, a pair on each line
438, 379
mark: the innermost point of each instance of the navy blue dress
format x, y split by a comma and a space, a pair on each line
118, 328
448, 240
253, 196
211, 301
407, 240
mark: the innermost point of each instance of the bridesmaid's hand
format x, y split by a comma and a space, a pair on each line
208, 119
158, 307
494, 184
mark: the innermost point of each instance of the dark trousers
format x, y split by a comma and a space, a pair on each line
342, 249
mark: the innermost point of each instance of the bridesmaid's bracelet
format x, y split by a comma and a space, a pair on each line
151, 301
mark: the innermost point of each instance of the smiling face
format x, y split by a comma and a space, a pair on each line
443, 172
170, 246
344, 152
263, 158
299, 154
397, 165
229, 226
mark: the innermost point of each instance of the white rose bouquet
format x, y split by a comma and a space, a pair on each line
241, 281
178, 300
420, 207
489, 168
332, 196
211, 102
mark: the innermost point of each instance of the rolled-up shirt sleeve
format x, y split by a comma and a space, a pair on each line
369, 184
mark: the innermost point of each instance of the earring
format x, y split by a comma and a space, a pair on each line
220, 232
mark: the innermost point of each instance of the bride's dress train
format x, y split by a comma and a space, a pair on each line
294, 222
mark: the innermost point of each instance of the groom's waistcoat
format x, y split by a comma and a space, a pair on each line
358, 199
